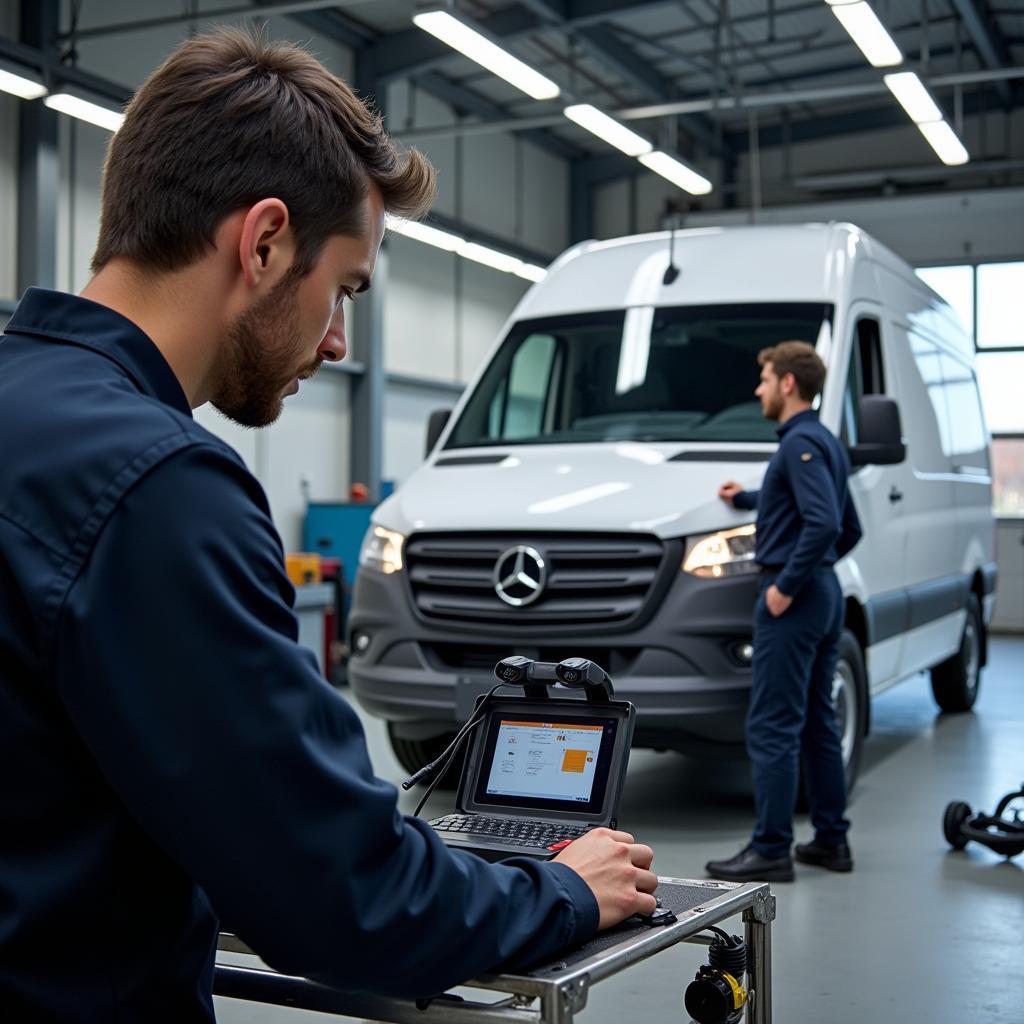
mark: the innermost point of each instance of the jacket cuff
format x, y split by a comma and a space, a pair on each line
585, 914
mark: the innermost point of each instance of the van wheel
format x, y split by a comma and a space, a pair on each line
412, 755
955, 681
850, 697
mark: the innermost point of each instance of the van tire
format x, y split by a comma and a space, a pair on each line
412, 755
955, 682
853, 691
850, 690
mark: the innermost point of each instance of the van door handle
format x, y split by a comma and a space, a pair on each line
895, 495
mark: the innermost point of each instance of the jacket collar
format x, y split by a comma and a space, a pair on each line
61, 317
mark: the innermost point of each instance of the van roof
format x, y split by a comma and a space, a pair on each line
758, 263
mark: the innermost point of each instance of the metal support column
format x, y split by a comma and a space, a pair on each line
757, 925
366, 405
366, 408
37, 162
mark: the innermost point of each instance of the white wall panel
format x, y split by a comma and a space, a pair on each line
489, 183
406, 410
545, 215
419, 311
611, 210
409, 107
310, 441
488, 298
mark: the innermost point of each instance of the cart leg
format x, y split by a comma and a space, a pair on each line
757, 922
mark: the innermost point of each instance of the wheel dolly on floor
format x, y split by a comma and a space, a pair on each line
553, 992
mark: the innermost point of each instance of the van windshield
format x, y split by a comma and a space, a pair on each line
685, 373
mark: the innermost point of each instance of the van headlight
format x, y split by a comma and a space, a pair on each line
382, 550
726, 553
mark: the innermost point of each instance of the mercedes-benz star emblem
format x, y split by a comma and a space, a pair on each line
519, 576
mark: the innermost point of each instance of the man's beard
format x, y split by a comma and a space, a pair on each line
772, 407
258, 361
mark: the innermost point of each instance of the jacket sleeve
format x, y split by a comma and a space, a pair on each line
745, 500
805, 463
851, 533
177, 661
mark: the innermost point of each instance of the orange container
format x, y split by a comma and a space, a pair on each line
302, 567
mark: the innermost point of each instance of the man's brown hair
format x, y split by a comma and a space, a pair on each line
229, 119
799, 359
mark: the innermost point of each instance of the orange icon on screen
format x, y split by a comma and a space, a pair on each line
574, 761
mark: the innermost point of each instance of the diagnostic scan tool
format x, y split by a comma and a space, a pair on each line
542, 769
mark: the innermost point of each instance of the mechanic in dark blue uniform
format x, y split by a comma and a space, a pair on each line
806, 521
168, 752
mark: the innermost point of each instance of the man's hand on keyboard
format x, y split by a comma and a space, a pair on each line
617, 870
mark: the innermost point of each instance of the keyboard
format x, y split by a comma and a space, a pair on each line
514, 831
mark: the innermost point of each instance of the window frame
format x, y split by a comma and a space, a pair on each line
973, 326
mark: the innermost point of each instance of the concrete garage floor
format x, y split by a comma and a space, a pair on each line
917, 933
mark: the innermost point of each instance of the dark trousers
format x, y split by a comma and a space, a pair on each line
791, 713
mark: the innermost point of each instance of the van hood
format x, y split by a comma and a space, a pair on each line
669, 490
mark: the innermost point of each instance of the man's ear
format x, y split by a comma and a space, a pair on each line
266, 245
788, 384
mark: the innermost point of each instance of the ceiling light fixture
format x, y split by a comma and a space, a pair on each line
608, 129
870, 35
21, 82
943, 140
450, 242
677, 172
913, 97
477, 47
84, 110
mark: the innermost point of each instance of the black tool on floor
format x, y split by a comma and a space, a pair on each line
999, 832
716, 995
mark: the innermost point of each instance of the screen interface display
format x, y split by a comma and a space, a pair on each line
557, 762
545, 760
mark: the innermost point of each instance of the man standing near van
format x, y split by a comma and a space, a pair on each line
806, 521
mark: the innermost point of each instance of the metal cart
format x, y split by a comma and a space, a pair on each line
550, 993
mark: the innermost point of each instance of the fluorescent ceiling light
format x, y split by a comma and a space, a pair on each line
85, 110
676, 172
468, 250
861, 22
424, 233
913, 97
489, 257
608, 129
477, 47
530, 272
23, 83
943, 140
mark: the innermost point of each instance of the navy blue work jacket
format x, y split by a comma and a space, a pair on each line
168, 753
805, 515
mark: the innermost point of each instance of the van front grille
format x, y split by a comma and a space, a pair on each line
590, 579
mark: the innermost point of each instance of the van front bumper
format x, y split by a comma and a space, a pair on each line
682, 667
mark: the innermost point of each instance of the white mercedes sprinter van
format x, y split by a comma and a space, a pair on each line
568, 505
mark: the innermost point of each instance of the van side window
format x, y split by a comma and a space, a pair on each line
518, 407
967, 438
865, 376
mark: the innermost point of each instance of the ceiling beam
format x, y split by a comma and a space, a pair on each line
984, 32
473, 103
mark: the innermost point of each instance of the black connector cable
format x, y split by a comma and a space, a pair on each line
440, 764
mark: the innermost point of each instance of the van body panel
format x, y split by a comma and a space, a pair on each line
645, 488
430, 638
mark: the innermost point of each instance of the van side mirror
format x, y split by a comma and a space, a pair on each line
435, 427
880, 434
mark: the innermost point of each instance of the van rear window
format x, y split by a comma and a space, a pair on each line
684, 373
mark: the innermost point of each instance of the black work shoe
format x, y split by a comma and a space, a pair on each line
749, 866
834, 858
